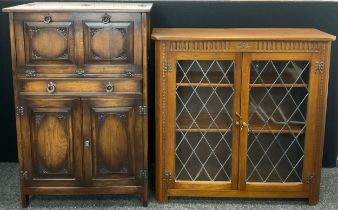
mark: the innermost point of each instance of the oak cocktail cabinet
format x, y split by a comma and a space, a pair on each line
80, 87
240, 112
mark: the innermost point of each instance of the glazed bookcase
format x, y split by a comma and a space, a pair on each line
240, 112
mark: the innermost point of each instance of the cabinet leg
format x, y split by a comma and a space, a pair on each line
145, 194
145, 200
24, 200
313, 200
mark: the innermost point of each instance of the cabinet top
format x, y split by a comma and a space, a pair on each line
302, 34
80, 7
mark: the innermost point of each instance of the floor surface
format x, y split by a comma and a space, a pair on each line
9, 198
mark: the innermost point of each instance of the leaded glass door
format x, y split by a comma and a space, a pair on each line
276, 140
203, 97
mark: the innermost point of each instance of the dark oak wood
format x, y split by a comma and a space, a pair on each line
188, 85
80, 88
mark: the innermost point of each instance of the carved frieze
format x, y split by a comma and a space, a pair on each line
244, 46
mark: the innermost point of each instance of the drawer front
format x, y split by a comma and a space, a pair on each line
92, 86
112, 43
45, 42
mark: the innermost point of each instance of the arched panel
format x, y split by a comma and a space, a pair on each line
112, 142
108, 43
51, 142
49, 43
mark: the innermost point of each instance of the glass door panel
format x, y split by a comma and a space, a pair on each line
278, 96
204, 119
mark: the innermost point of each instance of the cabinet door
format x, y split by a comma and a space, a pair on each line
45, 43
203, 97
51, 130
277, 129
112, 43
112, 132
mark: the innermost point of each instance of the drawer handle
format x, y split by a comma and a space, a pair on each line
129, 74
47, 19
80, 72
109, 87
106, 18
51, 87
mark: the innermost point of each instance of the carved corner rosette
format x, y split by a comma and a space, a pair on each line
93, 31
63, 31
38, 118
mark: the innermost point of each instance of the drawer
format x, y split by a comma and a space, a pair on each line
73, 43
62, 86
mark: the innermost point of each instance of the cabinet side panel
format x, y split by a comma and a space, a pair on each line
145, 48
16, 99
321, 116
159, 86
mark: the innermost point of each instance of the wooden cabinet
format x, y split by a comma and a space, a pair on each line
80, 82
240, 112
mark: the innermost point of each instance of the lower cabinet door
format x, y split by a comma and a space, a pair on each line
112, 132
50, 134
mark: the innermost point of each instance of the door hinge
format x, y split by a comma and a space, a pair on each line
167, 67
24, 175
144, 174
19, 110
142, 110
310, 178
30, 72
167, 175
319, 67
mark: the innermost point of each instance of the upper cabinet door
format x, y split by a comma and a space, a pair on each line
112, 131
45, 43
112, 43
51, 132
277, 127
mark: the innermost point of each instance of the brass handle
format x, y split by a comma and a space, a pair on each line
109, 87
51, 87
244, 124
87, 143
80, 72
47, 19
106, 18
129, 74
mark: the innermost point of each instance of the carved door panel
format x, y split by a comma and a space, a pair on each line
45, 43
51, 130
112, 131
112, 44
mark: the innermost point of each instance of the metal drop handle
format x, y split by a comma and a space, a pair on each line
106, 18
51, 87
47, 19
109, 87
